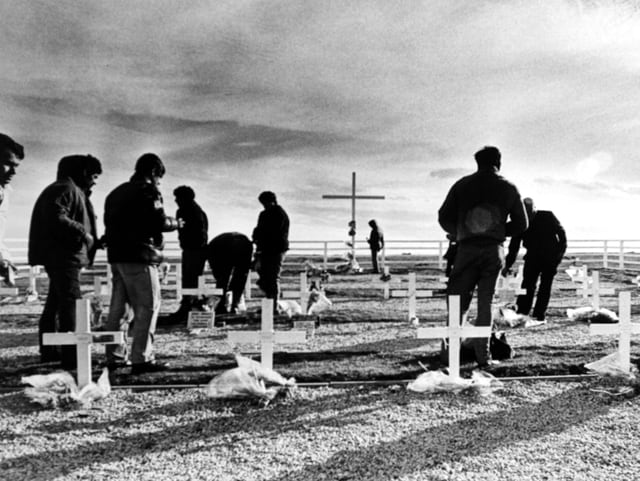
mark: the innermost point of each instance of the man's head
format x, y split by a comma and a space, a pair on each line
82, 169
488, 157
529, 206
150, 167
267, 198
184, 195
11, 153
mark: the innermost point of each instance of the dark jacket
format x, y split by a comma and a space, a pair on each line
545, 239
134, 220
376, 239
271, 235
477, 207
195, 233
230, 249
60, 221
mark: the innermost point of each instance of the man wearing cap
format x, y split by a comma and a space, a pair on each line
479, 211
11, 153
135, 220
271, 237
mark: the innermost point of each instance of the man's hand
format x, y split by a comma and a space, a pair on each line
89, 240
180, 222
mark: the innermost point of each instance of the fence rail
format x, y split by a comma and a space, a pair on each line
607, 253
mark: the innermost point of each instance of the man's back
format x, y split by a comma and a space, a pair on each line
545, 234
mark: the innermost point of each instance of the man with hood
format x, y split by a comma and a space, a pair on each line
135, 220
376, 244
11, 153
271, 237
62, 237
479, 211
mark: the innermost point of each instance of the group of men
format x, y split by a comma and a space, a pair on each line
479, 212
63, 237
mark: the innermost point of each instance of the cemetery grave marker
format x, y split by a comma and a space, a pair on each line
199, 320
82, 338
624, 328
267, 336
412, 293
454, 332
593, 290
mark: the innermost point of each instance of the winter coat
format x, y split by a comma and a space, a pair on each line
230, 249
376, 239
545, 239
195, 232
134, 220
477, 207
271, 235
60, 221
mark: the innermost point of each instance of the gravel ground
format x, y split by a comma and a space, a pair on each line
531, 431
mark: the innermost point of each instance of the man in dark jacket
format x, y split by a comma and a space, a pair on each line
193, 237
546, 243
476, 212
271, 237
61, 238
135, 220
376, 244
229, 257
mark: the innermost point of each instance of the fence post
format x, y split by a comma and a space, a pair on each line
605, 255
621, 257
325, 255
384, 257
440, 254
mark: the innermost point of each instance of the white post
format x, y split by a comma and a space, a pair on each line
625, 331
304, 292
621, 256
247, 286
383, 260
605, 255
83, 324
178, 281
440, 254
454, 343
33, 274
325, 257
266, 348
596, 290
386, 282
412, 295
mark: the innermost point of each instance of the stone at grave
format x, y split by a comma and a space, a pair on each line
201, 320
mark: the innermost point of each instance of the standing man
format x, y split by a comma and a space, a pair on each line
193, 237
135, 219
376, 244
476, 212
271, 237
229, 257
11, 153
546, 243
61, 238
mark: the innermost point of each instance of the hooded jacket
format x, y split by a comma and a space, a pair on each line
134, 220
477, 207
195, 233
61, 219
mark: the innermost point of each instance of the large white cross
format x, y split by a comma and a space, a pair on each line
82, 338
412, 293
454, 332
353, 198
267, 336
624, 328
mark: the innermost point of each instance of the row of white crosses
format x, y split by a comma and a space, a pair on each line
35, 272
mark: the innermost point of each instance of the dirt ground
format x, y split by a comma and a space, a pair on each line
361, 337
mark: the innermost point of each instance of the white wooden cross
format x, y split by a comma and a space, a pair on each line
412, 293
454, 332
302, 294
579, 275
267, 336
353, 198
197, 321
624, 329
82, 338
592, 289
386, 276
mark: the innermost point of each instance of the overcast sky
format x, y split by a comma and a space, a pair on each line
243, 96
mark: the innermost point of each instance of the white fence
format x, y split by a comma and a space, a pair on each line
615, 254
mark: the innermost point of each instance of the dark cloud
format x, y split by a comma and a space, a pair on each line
449, 173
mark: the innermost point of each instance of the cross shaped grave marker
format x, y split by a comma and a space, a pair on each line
454, 332
624, 328
82, 338
412, 293
302, 294
353, 198
579, 275
592, 289
201, 319
267, 336
508, 287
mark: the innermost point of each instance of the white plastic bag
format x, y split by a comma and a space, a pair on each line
610, 366
318, 302
289, 307
437, 381
589, 314
60, 389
